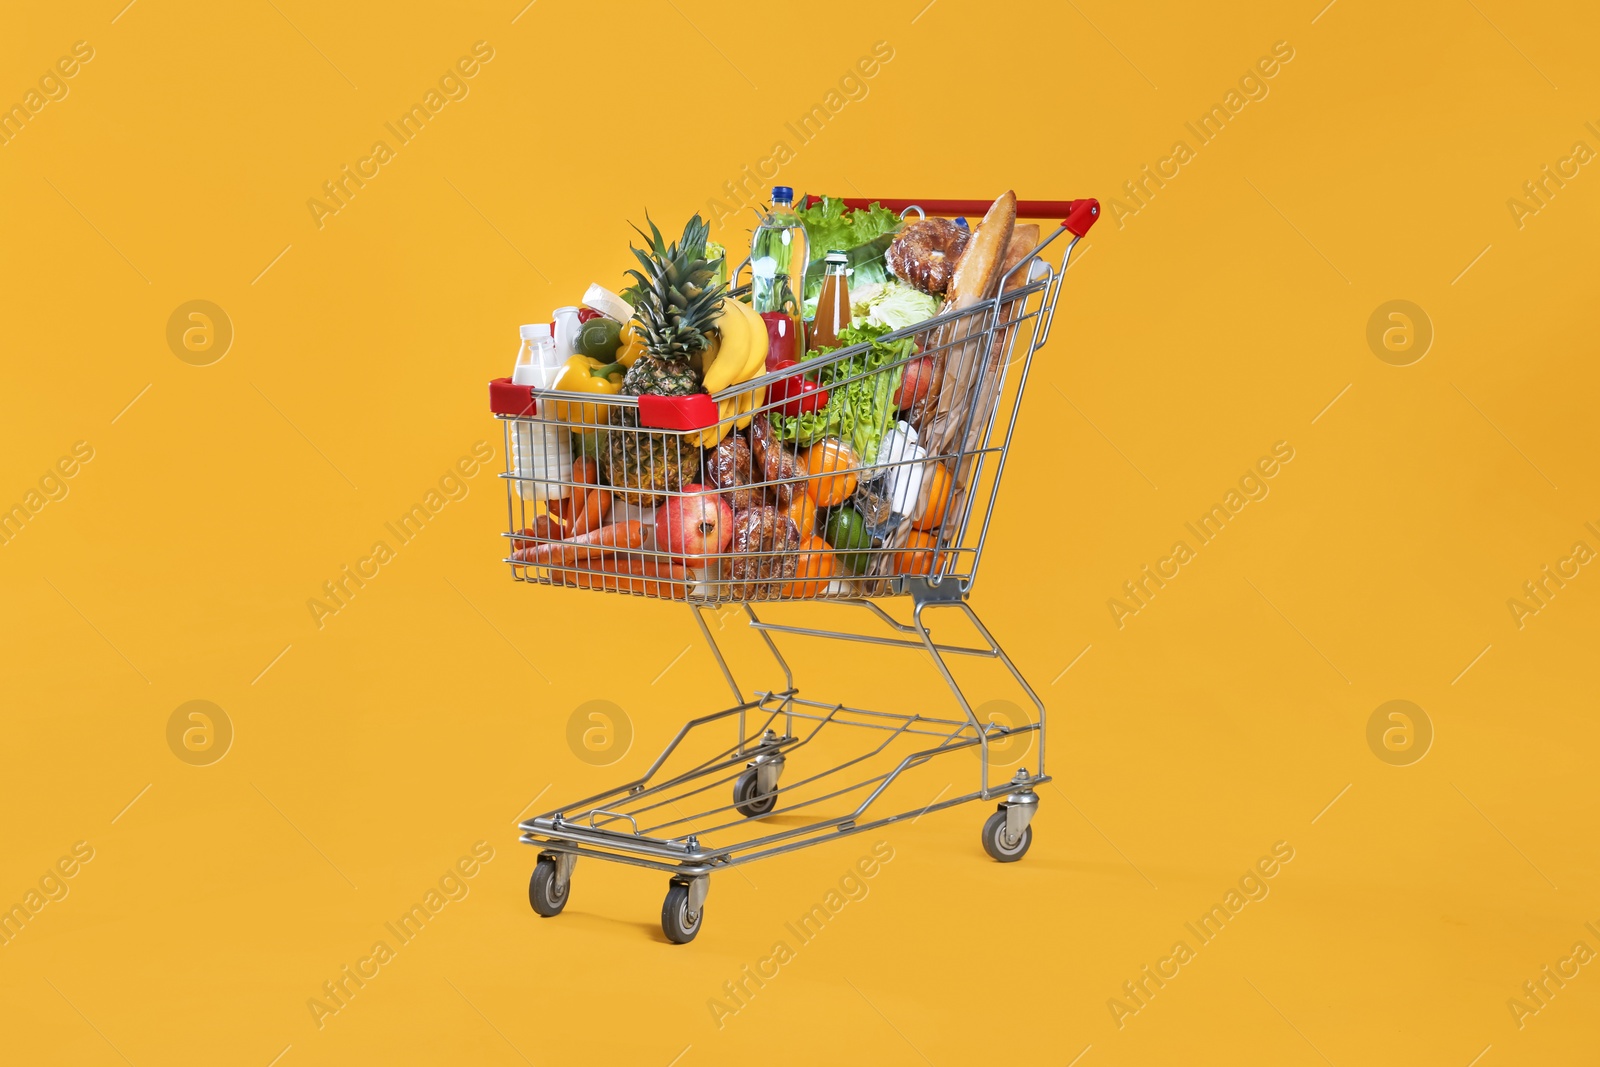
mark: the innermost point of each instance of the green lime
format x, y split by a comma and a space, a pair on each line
599, 339
847, 530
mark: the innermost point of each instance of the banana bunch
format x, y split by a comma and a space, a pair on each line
739, 354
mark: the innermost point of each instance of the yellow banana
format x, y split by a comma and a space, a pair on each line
734, 352
711, 436
706, 356
757, 361
749, 401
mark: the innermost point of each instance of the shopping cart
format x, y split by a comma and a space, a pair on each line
716, 796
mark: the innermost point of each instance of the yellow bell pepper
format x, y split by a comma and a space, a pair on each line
584, 374
632, 345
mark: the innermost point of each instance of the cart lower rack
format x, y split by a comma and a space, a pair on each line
775, 771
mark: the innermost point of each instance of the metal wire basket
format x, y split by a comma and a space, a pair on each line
923, 475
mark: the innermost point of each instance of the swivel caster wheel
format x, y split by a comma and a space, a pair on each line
550, 887
749, 799
999, 844
684, 909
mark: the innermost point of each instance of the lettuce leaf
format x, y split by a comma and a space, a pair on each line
861, 410
893, 304
829, 224
863, 233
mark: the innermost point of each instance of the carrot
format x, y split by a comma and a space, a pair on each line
629, 574
544, 528
585, 471
589, 513
590, 545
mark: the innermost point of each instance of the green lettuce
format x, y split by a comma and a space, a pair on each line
861, 410
892, 304
864, 234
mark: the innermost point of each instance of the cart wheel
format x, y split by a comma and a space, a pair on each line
546, 899
747, 798
998, 846
676, 922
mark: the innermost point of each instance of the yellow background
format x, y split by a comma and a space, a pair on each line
1222, 317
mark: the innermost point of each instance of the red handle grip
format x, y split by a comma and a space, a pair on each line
1078, 215
1081, 214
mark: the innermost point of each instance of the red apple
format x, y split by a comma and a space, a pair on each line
914, 386
694, 524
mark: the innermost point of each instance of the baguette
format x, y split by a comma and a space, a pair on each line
977, 276
1024, 239
978, 271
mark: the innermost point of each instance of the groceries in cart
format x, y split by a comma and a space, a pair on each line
815, 434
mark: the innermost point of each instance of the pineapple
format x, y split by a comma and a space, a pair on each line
676, 298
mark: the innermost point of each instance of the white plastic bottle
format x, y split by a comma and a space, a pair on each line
566, 319
542, 457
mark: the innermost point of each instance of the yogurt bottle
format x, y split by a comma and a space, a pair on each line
566, 321
541, 452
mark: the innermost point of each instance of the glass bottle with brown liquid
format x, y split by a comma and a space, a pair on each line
833, 305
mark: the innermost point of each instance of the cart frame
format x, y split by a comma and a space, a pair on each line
642, 822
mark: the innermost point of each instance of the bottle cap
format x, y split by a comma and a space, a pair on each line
530, 331
836, 255
782, 194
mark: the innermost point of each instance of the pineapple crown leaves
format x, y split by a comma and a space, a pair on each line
673, 300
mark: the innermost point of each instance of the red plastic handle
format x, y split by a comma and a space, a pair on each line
508, 398
694, 412
1079, 215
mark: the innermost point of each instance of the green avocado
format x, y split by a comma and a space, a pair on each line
599, 339
847, 532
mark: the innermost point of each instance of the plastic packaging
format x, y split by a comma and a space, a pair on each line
609, 304
904, 481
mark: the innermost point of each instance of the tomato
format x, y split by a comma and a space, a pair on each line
798, 395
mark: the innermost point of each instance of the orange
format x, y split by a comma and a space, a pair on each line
815, 566
918, 556
802, 510
934, 498
822, 461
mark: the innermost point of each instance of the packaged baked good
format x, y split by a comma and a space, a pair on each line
766, 546
924, 254
728, 468
775, 465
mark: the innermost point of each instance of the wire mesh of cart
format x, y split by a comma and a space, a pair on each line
771, 491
